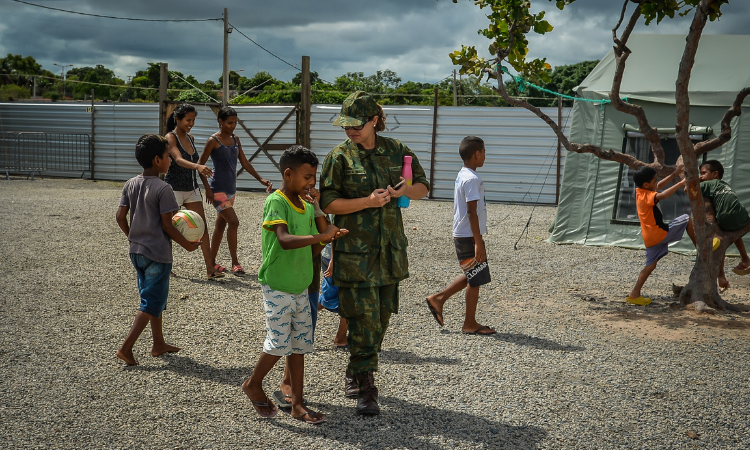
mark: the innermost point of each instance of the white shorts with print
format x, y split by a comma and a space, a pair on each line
185, 197
288, 322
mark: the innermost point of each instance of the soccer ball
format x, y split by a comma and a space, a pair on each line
189, 224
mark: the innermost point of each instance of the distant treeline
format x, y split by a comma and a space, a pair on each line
18, 75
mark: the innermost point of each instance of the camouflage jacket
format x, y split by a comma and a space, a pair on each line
374, 251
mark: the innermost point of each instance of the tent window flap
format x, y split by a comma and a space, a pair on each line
635, 144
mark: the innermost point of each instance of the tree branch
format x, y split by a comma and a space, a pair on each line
726, 130
622, 52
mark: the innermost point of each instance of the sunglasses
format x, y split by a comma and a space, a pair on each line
357, 128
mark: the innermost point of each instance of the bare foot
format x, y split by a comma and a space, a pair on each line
339, 344
480, 329
723, 284
262, 404
164, 348
127, 357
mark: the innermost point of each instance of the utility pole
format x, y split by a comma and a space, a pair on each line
305, 101
455, 96
225, 77
34, 88
62, 69
163, 86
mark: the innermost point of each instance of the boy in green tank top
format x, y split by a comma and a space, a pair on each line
290, 238
730, 214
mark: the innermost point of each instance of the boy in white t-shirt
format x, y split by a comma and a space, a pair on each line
469, 224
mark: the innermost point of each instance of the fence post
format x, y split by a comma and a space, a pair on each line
92, 141
432, 151
559, 155
163, 86
305, 100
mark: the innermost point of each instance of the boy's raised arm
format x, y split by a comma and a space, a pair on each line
666, 193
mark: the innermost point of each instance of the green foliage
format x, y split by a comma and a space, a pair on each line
314, 78
194, 95
10, 92
96, 76
15, 69
510, 21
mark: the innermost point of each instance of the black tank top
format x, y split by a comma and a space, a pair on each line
180, 178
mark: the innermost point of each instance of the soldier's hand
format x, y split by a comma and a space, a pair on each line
378, 198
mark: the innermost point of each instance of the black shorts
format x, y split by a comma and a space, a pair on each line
477, 274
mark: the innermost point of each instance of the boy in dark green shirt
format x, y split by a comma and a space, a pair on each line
730, 214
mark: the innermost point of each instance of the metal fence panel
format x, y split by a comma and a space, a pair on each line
118, 127
521, 150
521, 164
45, 117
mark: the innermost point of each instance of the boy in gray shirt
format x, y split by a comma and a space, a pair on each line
151, 204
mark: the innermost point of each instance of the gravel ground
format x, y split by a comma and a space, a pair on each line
572, 365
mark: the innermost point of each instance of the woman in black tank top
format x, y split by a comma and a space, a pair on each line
182, 173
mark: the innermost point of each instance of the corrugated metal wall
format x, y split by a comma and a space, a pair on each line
521, 164
117, 127
521, 149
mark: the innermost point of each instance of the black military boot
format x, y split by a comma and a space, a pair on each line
351, 388
367, 403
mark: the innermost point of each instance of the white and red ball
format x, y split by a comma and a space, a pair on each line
190, 224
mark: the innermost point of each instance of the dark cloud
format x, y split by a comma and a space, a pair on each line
410, 37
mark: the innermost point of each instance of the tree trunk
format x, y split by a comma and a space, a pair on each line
702, 292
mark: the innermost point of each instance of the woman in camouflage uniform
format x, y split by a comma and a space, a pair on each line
356, 186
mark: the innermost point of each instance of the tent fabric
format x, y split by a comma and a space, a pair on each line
589, 184
719, 72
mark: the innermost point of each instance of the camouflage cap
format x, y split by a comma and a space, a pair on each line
356, 110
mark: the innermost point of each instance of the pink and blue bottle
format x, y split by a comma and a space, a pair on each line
403, 201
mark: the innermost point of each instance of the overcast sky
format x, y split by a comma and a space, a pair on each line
411, 37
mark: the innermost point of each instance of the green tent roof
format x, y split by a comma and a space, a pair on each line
721, 70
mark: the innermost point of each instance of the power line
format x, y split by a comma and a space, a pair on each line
267, 50
114, 17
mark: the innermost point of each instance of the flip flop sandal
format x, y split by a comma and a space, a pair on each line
267, 404
478, 331
740, 270
282, 402
238, 270
438, 316
311, 417
215, 276
219, 268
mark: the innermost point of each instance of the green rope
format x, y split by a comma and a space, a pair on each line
522, 87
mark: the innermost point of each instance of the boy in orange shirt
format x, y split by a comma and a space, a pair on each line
656, 234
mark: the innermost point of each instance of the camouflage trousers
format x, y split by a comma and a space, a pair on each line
367, 311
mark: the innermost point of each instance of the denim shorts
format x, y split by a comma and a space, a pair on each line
677, 228
153, 283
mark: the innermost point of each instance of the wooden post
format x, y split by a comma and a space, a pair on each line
432, 151
163, 86
559, 153
455, 95
91, 142
305, 102
225, 75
